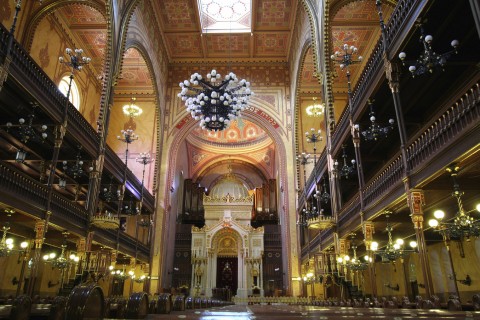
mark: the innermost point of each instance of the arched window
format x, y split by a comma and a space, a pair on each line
74, 93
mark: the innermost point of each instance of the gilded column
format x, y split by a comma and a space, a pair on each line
368, 229
416, 201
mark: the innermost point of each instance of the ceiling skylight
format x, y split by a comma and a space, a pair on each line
225, 16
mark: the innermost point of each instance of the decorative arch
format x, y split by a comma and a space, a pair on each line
218, 242
135, 44
33, 21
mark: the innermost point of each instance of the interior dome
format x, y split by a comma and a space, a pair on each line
229, 184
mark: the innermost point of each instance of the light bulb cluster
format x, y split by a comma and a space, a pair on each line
345, 58
61, 262
215, 102
428, 60
394, 249
7, 245
128, 136
76, 61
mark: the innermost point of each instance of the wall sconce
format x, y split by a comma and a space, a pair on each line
394, 288
52, 284
15, 281
467, 281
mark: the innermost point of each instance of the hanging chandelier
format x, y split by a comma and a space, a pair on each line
428, 60
7, 245
346, 170
61, 262
315, 109
393, 250
463, 225
354, 263
132, 110
375, 131
213, 101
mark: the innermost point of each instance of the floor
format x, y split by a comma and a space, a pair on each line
284, 312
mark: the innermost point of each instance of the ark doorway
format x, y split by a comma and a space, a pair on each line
227, 273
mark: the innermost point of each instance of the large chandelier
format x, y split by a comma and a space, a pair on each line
393, 250
315, 109
132, 110
463, 226
213, 101
428, 60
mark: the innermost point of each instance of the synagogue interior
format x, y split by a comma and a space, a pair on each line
294, 157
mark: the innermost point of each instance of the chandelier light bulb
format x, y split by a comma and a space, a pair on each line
9, 241
24, 244
400, 242
413, 244
439, 214
433, 223
374, 246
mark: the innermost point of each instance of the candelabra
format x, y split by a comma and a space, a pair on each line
128, 136
131, 209
7, 245
428, 60
109, 194
307, 212
345, 59
76, 170
119, 273
26, 131
76, 61
213, 101
393, 250
315, 109
324, 196
375, 131
132, 110
463, 225
61, 262
346, 170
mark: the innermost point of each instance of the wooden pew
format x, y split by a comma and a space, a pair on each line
137, 307
85, 301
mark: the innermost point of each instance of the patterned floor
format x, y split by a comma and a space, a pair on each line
284, 312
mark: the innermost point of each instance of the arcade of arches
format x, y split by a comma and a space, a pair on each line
233, 213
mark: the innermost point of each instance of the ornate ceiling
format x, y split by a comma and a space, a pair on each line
272, 24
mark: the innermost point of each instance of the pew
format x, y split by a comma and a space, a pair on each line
179, 303
137, 306
16, 309
164, 303
52, 310
476, 302
85, 301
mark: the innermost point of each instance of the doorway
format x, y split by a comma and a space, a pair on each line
227, 273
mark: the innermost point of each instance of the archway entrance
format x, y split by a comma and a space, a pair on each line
227, 271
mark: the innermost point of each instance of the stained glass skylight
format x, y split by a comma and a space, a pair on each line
225, 16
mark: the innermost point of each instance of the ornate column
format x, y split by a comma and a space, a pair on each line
41, 227
368, 229
416, 201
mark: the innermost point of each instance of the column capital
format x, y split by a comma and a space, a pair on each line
368, 228
416, 201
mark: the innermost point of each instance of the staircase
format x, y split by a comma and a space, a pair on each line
353, 290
